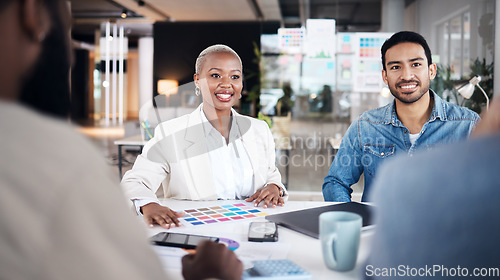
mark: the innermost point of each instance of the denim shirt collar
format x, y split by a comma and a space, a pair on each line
438, 111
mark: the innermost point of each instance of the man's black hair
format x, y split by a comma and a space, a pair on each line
406, 37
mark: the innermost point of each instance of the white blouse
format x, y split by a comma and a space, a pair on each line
231, 166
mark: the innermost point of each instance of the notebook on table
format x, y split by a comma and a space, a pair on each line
307, 221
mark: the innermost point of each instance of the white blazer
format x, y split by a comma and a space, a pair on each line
177, 159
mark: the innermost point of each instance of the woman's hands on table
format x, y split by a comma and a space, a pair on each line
270, 196
154, 213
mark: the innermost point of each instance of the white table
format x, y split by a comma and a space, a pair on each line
135, 140
304, 250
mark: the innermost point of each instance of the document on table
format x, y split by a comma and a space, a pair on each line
170, 257
254, 251
247, 252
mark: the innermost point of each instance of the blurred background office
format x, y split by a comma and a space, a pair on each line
311, 66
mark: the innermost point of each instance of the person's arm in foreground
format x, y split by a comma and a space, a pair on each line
94, 234
490, 122
212, 260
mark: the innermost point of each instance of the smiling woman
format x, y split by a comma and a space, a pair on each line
212, 153
219, 77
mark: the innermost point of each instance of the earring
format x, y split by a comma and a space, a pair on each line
197, 91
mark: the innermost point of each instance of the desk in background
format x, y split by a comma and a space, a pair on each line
136, 141
303, 250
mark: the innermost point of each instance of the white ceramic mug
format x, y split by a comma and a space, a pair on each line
340, 233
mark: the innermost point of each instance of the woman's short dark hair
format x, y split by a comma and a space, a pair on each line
406, 37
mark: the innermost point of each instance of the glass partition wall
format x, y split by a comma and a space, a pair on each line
314, 83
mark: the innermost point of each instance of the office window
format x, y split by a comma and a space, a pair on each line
455, 44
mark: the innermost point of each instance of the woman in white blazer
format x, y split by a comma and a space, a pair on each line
212, 153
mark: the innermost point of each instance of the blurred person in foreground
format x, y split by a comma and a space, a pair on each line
416, 120
213, 153
62, 215
438, 212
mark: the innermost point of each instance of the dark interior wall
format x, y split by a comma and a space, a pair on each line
80, 85
177, 45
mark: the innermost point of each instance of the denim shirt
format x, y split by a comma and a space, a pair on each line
378, 134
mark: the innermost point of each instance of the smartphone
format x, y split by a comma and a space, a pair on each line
181, 240
263, 232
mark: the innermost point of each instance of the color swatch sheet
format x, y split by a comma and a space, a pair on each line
368, 64
291, 40
370, 46
220, 214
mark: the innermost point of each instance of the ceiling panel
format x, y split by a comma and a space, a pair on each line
351, 15
212, 10
270, 9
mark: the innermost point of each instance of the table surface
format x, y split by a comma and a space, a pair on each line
303, 250
135, 140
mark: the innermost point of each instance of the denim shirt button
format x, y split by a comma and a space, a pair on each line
382, 154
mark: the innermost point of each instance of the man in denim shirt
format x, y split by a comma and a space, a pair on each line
416, 120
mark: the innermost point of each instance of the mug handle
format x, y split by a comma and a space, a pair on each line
330, 255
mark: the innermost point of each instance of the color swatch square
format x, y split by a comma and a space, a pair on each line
220, 214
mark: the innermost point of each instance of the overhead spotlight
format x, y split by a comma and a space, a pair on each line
141, 3
124, 14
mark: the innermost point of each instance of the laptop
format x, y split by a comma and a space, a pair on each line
307, 221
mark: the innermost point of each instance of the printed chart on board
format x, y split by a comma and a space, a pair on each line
367, 74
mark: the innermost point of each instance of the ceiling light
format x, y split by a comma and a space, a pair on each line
167, 87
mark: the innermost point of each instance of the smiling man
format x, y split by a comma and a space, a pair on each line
417, 119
